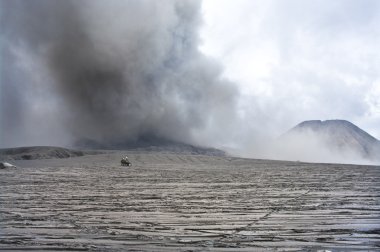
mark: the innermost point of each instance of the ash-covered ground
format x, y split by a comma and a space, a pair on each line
183, 202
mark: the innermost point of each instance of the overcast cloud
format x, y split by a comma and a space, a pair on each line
219, 73
297, 60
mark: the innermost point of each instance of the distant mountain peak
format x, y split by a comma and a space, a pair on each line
326, 123
337, 126
336, 135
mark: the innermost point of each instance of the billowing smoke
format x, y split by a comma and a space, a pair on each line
108, 71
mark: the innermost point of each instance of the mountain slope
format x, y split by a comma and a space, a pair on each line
150, 143
338, 137
41, 152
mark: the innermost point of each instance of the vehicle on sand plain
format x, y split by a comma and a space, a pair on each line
125, 161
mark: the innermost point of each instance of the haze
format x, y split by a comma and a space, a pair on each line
227, 74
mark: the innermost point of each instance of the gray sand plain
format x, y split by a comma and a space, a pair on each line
179, 202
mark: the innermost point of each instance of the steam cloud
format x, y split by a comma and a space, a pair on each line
109, 70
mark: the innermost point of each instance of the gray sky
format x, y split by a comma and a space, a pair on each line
212, 72
296, 60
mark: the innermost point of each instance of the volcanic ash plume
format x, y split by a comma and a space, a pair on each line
110, 70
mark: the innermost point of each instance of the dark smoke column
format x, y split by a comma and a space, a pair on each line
122, 70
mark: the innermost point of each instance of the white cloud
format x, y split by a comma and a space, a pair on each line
298, 60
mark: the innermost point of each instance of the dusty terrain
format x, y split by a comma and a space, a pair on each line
174, 202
